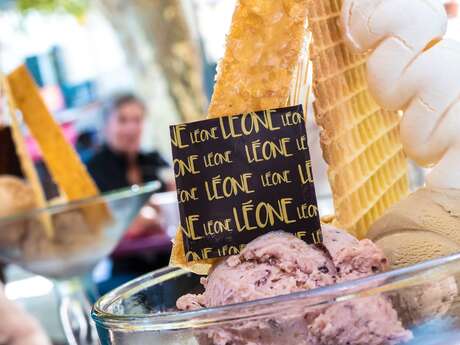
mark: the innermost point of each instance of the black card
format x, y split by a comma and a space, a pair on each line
239, 177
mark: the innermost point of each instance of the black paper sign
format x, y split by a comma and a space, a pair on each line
239, 177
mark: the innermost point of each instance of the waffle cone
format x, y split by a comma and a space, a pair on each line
367, 167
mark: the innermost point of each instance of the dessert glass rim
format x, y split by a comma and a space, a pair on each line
108, 197
422, 273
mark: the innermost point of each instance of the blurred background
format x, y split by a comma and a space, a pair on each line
102, 65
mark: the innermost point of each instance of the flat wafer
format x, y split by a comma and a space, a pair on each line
65, 166
264, 46
360, 140
27, 165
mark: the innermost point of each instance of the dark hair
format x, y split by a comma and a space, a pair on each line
117, 101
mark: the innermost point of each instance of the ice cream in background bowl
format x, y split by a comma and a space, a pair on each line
75, 245
27, 235
16, 196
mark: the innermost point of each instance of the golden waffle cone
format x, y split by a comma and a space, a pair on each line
265, 66
360, 140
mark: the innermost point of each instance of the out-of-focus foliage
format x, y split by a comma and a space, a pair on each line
74, 7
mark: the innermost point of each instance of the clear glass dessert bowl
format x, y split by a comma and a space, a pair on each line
425, 297
84, 232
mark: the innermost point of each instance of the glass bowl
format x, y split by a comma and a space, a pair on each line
425, 297
85, 231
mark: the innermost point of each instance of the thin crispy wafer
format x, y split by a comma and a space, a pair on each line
265, 66
65, 166
360, 140
263, 48
27, 165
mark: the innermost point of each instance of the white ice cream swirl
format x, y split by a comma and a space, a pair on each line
411, 68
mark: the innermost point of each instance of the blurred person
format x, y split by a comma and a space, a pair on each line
17, 327
120, 163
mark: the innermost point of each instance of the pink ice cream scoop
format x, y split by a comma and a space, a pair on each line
277, 264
